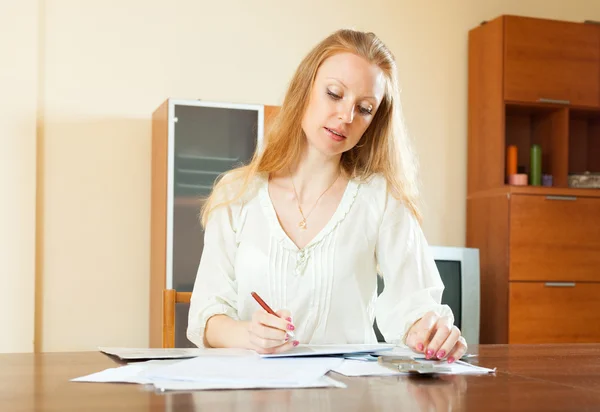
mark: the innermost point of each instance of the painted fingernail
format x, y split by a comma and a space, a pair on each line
441, 354
289, 318
451, 359
296, 343
287, 337
429, 354
290, 327
420, 347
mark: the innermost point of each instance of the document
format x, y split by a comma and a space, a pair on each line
174, 353
186, 353
131, 373
142, 372
328, 350
360, 368
323, 382
222, 371
244, 370
305, 366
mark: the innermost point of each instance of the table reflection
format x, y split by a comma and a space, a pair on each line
414, 393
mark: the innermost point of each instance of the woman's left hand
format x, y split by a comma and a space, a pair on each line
437, 338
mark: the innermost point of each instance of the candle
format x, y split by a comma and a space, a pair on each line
535, 174
511, 160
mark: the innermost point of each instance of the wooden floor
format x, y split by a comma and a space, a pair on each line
528, 378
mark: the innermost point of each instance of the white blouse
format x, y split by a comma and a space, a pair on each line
330, 285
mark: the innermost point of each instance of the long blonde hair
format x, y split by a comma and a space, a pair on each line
384, 148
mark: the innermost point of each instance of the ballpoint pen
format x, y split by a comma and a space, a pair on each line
269, 310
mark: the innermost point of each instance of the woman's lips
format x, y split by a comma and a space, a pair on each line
334, 135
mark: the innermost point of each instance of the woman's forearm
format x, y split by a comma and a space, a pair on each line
224, 332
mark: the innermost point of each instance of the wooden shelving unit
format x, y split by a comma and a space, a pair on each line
535, 81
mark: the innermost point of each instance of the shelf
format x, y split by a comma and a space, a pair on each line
532, 82
544, 125
188, 201
516, 105
584, 141
537, 190
553, 191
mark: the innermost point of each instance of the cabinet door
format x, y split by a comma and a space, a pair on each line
554, 238
547, 60
541, 312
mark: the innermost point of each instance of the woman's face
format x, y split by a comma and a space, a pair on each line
346, 94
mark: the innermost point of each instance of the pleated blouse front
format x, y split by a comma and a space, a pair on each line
330, 285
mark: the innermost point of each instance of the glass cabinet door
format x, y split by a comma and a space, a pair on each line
208, 140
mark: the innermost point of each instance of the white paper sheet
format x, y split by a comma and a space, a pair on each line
323, 382
395, 351
131, 373
464, 368
399, 351
203, 373
320, 350
246, 370
174, 353
361, 368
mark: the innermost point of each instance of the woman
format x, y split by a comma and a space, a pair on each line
329, 202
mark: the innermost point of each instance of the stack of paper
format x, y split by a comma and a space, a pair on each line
361, 368
303, 367
129, 354
328, 350
132, 373
221, 369
248, 372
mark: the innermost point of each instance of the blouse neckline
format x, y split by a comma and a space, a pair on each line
338, 216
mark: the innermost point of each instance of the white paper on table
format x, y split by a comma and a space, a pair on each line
403, 351
395, 351
361, 368
320, 350
172, 353
399, 351
246, 370
464, 368
322, 382
132, 373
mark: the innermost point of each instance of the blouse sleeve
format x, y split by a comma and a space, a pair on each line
215, 287
412, 283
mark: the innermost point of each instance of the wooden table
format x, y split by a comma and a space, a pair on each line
528, 378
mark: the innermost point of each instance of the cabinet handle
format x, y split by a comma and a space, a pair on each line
555, 101
560, 284
571, 198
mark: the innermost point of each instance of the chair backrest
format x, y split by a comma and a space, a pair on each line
170, 298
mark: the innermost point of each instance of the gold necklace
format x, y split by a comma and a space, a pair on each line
302, 223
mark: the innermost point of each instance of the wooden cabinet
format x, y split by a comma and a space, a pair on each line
554, 238
540, 264
193, 142
535, 81
542, 312
551, 61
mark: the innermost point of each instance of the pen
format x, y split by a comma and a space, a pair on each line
269, 310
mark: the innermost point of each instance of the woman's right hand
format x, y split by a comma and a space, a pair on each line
268, 333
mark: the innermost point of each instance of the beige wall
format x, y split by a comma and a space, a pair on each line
18, 107
106, 65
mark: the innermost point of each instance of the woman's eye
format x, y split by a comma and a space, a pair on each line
365, 110
333, 95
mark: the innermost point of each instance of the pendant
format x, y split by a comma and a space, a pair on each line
302, 224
